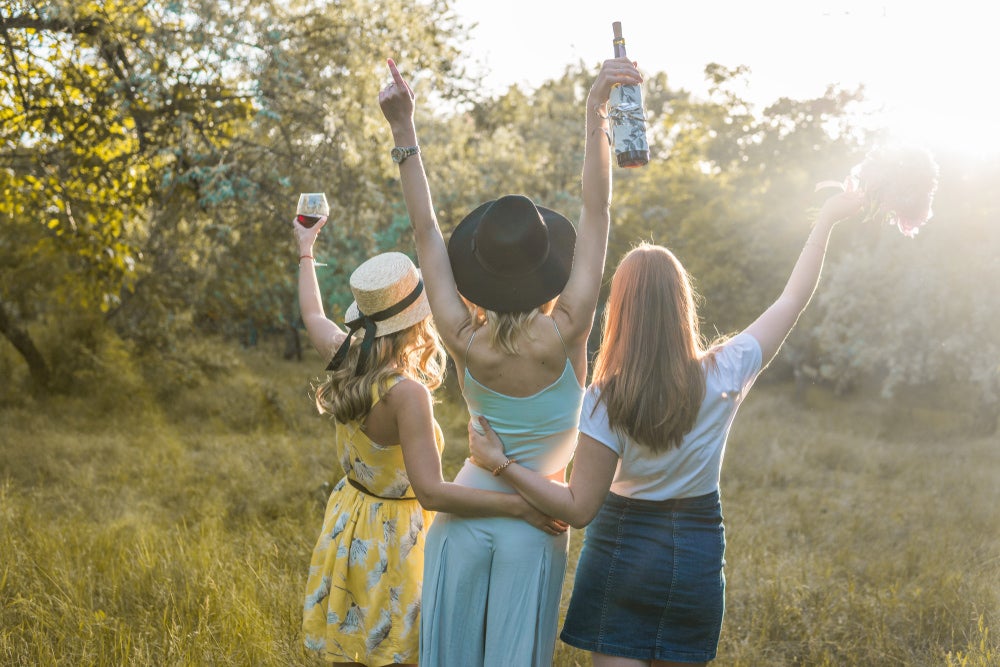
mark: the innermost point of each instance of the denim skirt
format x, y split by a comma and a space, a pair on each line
649, 582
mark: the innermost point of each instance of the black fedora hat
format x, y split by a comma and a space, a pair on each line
510, 255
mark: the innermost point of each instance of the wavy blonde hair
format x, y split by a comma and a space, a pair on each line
506, 328
649, 366
415, 352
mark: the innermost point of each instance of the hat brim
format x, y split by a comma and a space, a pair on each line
512, 294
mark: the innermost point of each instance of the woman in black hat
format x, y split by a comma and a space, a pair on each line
513, 295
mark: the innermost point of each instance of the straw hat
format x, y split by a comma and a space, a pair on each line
382, 282
509, 255
388, 297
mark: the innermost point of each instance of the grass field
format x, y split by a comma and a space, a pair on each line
178, 533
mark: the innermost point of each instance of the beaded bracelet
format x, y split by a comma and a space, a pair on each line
503, 466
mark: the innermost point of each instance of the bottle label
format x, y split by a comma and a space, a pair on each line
628, 123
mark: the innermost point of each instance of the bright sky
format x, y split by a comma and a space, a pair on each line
929, 64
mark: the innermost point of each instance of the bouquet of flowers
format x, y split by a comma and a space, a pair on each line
898, 184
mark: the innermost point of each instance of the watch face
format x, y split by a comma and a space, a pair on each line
399, 153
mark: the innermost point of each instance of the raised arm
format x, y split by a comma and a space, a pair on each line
450, 314
411, 403
324, 334
576, 305
576, 503
773, 326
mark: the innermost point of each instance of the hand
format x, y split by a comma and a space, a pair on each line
840, 206
397, 101
306, 236
542, 522
613, 72
486, 448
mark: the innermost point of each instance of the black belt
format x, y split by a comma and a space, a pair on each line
360, 487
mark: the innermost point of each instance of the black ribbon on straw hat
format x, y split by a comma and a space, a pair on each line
370, 323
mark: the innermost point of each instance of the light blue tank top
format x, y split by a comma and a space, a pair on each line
539, 431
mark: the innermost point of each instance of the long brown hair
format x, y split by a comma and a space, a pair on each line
649, 366
415, 352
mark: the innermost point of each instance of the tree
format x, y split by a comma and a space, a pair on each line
731, 188
151, 151
919, 312
71, 168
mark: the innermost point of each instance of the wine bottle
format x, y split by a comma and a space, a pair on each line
628, 124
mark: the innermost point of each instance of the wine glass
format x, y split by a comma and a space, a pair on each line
312, 206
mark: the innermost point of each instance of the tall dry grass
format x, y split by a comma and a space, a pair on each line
179, 533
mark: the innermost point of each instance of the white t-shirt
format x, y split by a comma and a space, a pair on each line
693, 468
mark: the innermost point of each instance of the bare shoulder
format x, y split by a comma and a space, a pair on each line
406, 392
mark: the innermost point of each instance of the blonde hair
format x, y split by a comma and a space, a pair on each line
649, 366
415, 352
507, 328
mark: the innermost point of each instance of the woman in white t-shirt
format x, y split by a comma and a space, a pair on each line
650, 586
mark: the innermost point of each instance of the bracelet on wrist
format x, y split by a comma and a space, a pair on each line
315, 263
503, 466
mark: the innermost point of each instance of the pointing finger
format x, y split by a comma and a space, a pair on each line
397, 78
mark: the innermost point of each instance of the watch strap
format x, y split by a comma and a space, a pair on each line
400, 153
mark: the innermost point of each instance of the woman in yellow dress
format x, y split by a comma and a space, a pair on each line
362, 600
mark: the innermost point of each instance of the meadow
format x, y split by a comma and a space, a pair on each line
177, 531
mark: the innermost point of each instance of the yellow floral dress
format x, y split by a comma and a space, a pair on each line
362, 601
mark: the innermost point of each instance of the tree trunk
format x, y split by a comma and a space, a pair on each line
293, 344
19, 338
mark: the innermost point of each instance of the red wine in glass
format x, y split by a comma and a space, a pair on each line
312, 206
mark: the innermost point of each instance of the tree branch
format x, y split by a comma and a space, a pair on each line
13, 58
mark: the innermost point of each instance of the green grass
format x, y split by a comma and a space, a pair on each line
179, 533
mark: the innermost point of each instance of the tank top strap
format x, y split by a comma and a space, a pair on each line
469, 347
559, 333
377, 394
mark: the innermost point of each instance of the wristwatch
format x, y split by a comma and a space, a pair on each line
400, 153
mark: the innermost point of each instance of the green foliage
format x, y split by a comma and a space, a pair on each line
95, 364
73, 178
151, 153
731, 191
516, 143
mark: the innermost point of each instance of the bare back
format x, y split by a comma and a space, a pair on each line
540, 362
